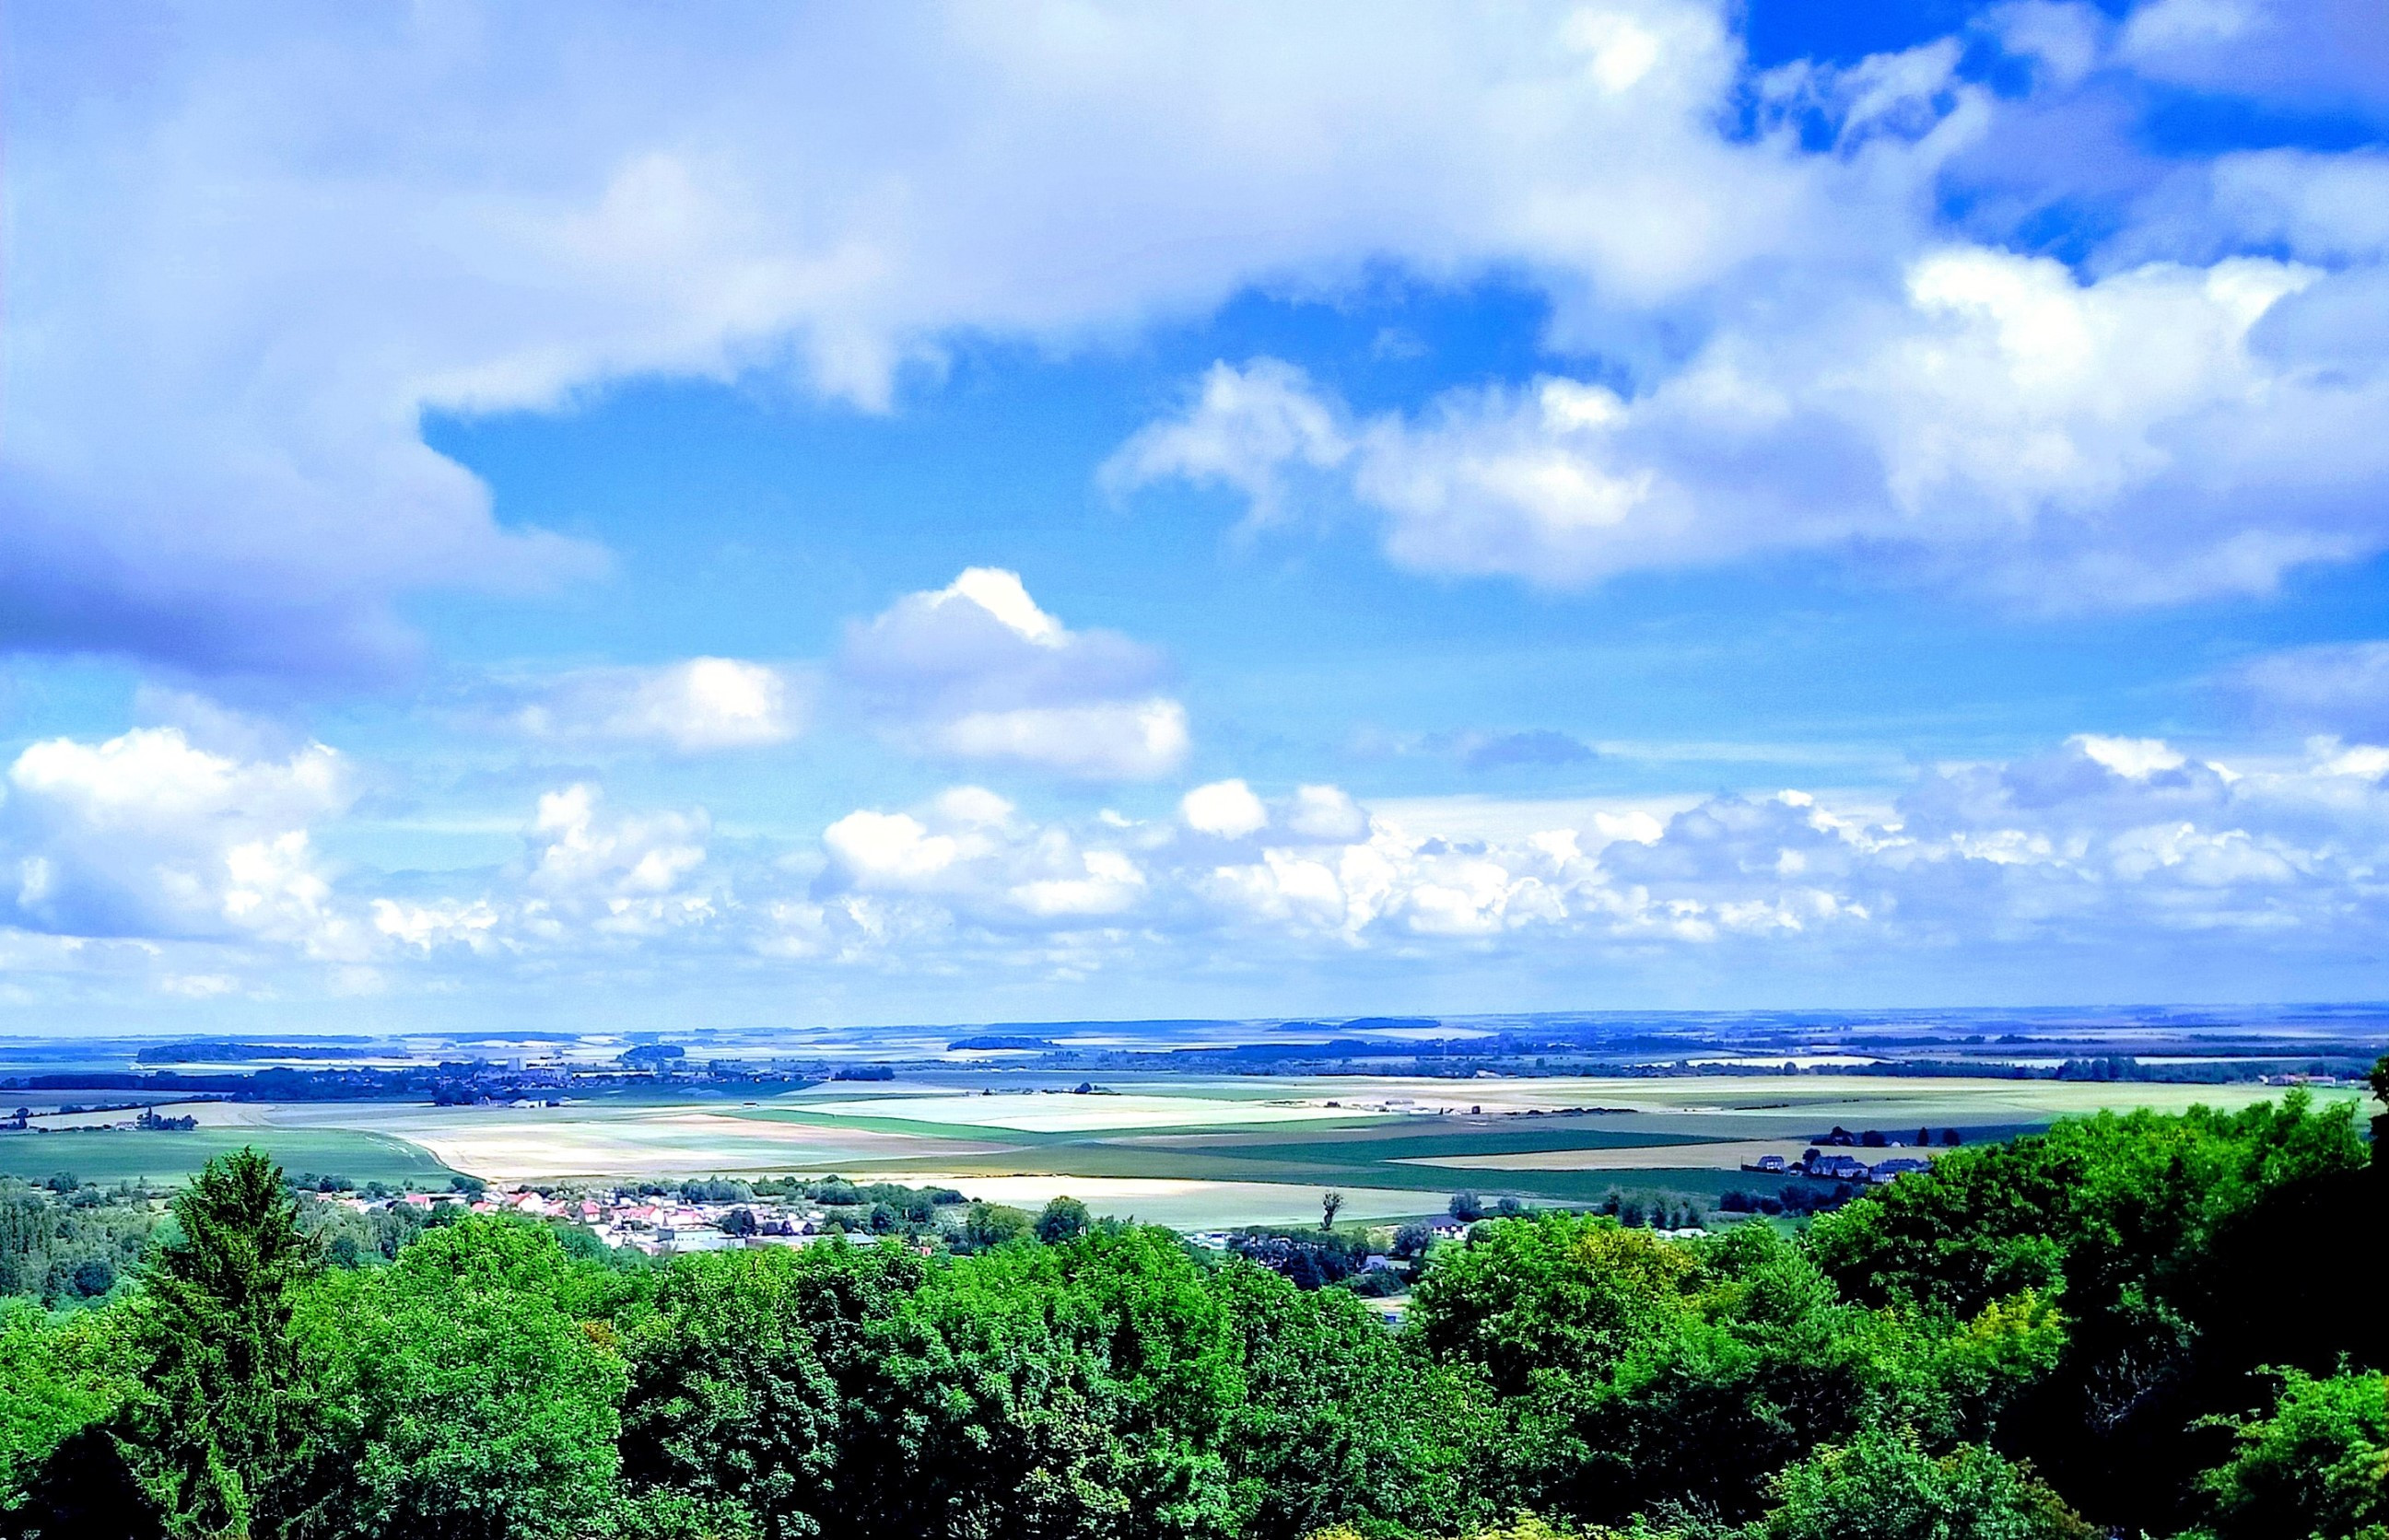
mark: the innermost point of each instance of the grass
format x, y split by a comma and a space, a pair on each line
114, 1155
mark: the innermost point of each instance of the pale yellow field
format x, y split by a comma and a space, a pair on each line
553, 1143
1050, 1113
211, 1115
1186, 1204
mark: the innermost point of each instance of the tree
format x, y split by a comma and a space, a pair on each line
61, 1380
988, 1225
1467, 1207
1330, 1204
1077, 1391
2318, 1466
741, 1379
2161, 1238
1063, 1219
1633, 1370
475, 1388
1411, 1242
222, 1435
1885, 1486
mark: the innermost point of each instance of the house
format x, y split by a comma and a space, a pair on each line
1770, 1162
1897, 1167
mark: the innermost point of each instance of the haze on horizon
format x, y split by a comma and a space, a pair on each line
592, 520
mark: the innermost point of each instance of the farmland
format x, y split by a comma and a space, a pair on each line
116, 1155
1186, 1150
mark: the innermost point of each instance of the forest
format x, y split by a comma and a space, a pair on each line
2131, 1324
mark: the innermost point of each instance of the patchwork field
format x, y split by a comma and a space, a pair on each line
1197, 1152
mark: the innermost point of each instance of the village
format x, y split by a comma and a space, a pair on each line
652, 1224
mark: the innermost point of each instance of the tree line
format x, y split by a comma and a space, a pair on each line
2130, 1324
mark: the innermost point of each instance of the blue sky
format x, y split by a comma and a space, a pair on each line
825, 516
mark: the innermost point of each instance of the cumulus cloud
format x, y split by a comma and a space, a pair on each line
628, 874
1243, 429
590, 878
2104, 842
1227, 808
966, 858
255, 255
703, 704
2069, 443
146, 834
975, 670
2105, 846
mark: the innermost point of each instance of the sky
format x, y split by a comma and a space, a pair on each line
614, 517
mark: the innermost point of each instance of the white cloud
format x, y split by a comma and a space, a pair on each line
1323, 812
2322, 208
702, 704
1125, 739
197, 986
473, 924
2311, 53
2072, 444
882, 848
146, 834
277, 243
1111, 883
975, 670
631, 873
2134, 759
252, 258
1243, 429
968, 853
2107, 846
1227, 808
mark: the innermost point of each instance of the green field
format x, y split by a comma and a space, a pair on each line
114, 1155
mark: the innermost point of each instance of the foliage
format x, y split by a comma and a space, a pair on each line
986, 1226
65, 1242
1886, 1485
58, 1376
465, 1391
741, 1373
1070, 1389
2160, 1238
218, 1432
1063, 1219
1309, 1258
1633, 1370
2318, 1466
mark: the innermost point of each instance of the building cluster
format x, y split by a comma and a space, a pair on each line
640, 1221
1836, 1166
